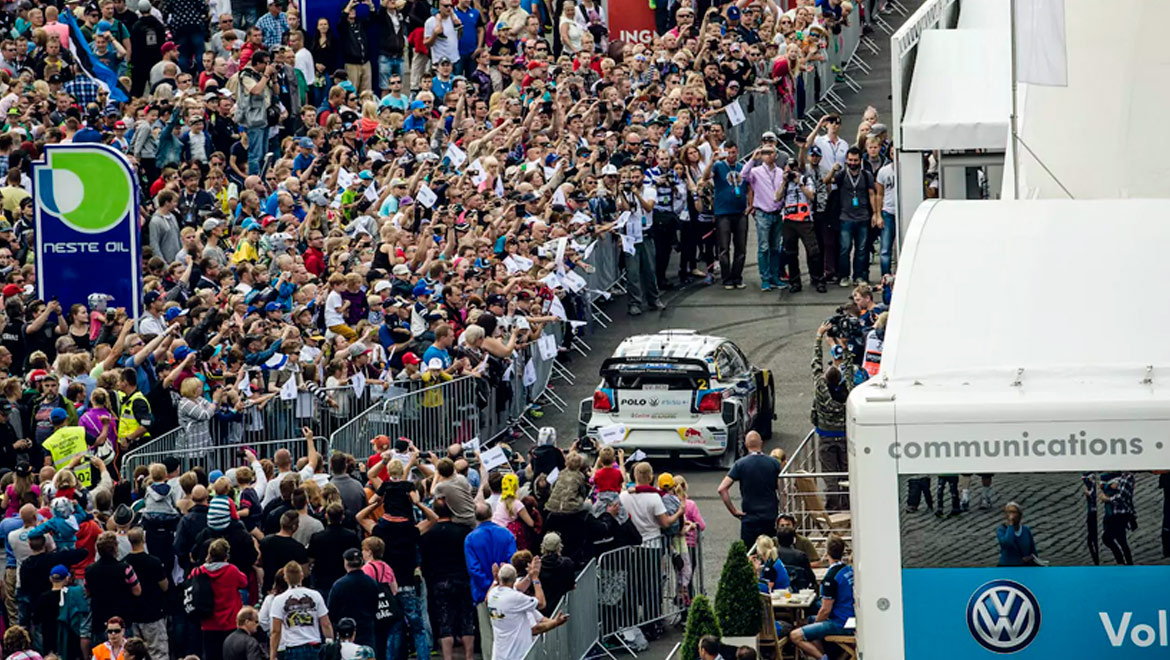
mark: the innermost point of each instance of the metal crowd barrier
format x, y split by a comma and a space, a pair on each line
577, 637
433, 417
818, 500
219, 457
648, 583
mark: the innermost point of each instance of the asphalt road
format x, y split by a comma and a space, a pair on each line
775, 330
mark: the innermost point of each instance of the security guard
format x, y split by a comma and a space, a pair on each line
134, 416
68, 443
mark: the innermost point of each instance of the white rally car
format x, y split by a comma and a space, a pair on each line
679, 394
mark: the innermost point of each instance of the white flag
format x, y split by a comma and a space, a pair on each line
1041, 44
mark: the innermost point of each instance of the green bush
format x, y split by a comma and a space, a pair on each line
700, 621
737, 603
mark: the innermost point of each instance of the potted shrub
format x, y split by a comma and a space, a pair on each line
700, 621
737, 603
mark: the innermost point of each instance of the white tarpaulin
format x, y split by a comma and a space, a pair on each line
1020, 255
986, 15
960, 96
1041, 45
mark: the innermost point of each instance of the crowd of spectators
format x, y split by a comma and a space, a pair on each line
405, 191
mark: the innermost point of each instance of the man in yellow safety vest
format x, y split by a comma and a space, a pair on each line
134, 417
68, 446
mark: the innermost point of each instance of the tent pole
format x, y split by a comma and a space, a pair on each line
1015, 137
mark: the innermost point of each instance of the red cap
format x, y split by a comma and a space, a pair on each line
267, 220
380, 442
120, 125
411, 358
168, 46
11, 290
535, 64
37, 375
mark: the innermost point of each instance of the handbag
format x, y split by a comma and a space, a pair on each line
388, 610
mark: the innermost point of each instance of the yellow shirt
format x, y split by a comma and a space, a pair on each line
13, 196
245, 251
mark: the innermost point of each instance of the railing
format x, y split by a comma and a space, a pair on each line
573, 640
220, 457
431, 416
818, 500
648, 583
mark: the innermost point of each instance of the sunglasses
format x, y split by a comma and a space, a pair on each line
113, 631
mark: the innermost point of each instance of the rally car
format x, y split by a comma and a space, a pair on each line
679, 394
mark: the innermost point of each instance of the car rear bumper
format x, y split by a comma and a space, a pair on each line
695, 441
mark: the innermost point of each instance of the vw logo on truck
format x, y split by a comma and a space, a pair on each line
1003, 616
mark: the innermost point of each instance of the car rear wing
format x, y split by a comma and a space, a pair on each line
655, 364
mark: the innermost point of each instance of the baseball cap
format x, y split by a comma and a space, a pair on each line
535, 64
11, 290
347, 626
417, 105
733, 13
358, 348
382, 441
168, 47
768, 136
58, 415
496, 299
609, 170
174, 313
305, 143
666, 480
210, 224
399, 269
120, 125
814, 150
251, 224
352, 556
366, 175
150, 297
37, 375
381, 286
411, 358
181, 353
58, 573
422, 290
433, 363
274, 307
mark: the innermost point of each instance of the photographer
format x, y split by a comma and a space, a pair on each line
797, 193
252, 103
831, 386
643, 287
765, 188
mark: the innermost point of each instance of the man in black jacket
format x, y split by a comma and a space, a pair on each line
190, 526
392, 24
242, 644
355, 45
355, 596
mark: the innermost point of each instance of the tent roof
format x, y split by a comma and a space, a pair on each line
986, 15
960, 95
988, 287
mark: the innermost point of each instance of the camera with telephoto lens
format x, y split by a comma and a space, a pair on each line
790, 176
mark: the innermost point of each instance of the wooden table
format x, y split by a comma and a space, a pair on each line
794, 604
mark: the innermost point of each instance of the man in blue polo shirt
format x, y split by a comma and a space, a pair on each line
836, 604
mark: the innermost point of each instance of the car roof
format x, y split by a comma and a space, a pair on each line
669, 343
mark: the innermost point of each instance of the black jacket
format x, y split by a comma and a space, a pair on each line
190, 526
355, 42
241, 646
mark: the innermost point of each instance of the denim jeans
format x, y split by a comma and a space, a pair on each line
769, 248
889, 231
387, 66
415, 625
855, 235
257, 147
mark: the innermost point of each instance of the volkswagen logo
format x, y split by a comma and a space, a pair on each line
1003, 616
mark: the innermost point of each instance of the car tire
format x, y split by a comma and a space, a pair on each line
765, 411
734, 449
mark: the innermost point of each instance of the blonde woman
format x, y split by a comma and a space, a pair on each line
765, 558
195, 415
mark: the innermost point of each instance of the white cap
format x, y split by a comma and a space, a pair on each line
381, 286
435, 363
608, 170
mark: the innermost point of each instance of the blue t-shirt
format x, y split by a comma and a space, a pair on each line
730, 190
302, 162
436, 352
440, 88
838, 585
6, 526
469, 36
414, 123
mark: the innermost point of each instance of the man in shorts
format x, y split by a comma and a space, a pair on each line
836, 605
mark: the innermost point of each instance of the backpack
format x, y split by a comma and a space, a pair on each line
198, 596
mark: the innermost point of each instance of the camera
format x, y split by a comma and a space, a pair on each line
790, 176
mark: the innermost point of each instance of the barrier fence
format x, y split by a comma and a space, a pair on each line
573, 640
219, 456
625, 588
819, 500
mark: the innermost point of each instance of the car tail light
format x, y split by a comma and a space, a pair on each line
601, 402
712, 402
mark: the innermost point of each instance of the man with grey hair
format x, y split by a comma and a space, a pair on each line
225, 26
512, 613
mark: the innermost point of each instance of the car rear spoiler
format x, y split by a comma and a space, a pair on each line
651, 364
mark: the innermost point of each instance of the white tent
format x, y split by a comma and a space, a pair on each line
1018, 258
960, 96
985, 15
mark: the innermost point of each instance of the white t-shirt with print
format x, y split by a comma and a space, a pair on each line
513, 614
886, 177
299, 610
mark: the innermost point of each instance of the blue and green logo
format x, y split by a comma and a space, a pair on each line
89, 190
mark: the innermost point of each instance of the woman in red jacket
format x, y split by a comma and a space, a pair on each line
226, 583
